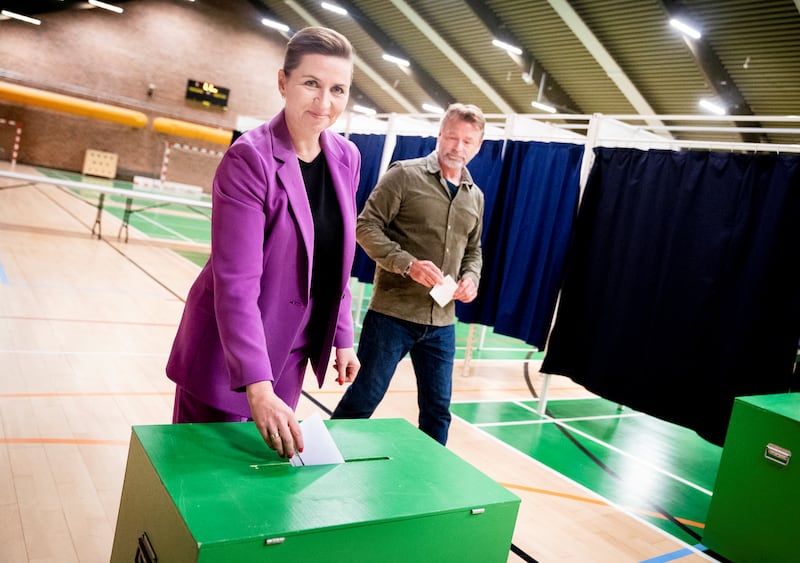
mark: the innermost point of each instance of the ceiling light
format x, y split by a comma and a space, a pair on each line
364, 110
712, 107
432, 108
685, 29
20, 17
507, 47
396, 60
109, 7
543, 107
334, 8
274, 25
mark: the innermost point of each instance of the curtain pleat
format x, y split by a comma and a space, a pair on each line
680, 291
526, 240
371, 148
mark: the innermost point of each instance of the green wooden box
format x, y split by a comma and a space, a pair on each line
214, 493
755, 511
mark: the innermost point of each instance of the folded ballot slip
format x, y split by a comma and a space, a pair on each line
443, 293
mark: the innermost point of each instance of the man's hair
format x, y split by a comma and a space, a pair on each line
315, 41
465, 112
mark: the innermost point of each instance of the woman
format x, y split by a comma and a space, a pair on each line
274, 294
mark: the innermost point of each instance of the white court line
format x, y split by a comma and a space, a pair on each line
165, 228
589, 492
547, 418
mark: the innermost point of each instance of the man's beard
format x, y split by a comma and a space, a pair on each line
453, 162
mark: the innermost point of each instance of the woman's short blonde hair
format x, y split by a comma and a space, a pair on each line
315, 41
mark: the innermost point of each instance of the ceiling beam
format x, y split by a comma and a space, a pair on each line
530, 67
438, 95
454, 57
713, 70
359, 62
604, 59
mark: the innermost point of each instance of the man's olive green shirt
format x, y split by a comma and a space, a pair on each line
411, 215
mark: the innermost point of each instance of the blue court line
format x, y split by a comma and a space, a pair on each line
676, 554
3, 276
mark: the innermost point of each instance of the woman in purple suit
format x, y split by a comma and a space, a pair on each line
274, 294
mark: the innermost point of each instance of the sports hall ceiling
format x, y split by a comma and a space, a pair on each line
579, 56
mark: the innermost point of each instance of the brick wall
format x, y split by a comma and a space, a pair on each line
112, 59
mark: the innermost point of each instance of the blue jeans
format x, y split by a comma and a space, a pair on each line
384, 342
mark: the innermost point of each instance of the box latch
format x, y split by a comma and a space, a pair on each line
144, 550
777, 454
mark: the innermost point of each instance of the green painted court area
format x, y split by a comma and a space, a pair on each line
183, 223
164, 221
661, 473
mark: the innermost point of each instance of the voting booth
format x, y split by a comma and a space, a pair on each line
215, 492
755, 509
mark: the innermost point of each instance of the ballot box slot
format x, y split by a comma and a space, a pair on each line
284, 462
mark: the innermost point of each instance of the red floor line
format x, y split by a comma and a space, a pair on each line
97, 321
548, 492
91, 394
67, 441
456, 391
600, 502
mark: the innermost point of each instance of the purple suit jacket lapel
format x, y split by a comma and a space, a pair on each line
341, 175
291, 180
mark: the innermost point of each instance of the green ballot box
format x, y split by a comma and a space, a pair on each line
214, 493
755, 511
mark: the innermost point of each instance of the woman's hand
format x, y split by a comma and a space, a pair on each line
346, 365
276, 422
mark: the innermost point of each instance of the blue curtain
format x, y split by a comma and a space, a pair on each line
681, 291
371, 148
412, 147
526, 240
486, 168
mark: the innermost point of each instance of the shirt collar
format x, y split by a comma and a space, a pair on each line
432, 165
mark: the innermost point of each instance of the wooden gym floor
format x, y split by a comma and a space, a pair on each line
85, 329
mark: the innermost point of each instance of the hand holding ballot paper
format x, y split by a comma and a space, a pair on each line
320, 449
443, 293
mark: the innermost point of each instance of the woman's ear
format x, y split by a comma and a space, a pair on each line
282, 82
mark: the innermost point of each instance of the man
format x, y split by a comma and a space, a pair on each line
421, 223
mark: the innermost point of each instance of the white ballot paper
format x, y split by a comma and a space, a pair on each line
318, 445
443, 293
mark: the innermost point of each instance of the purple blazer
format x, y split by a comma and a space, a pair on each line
245, 310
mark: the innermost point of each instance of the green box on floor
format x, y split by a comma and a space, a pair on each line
755, 511
214, 493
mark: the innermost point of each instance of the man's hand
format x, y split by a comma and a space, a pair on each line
426, 273
274, 419
466, 290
